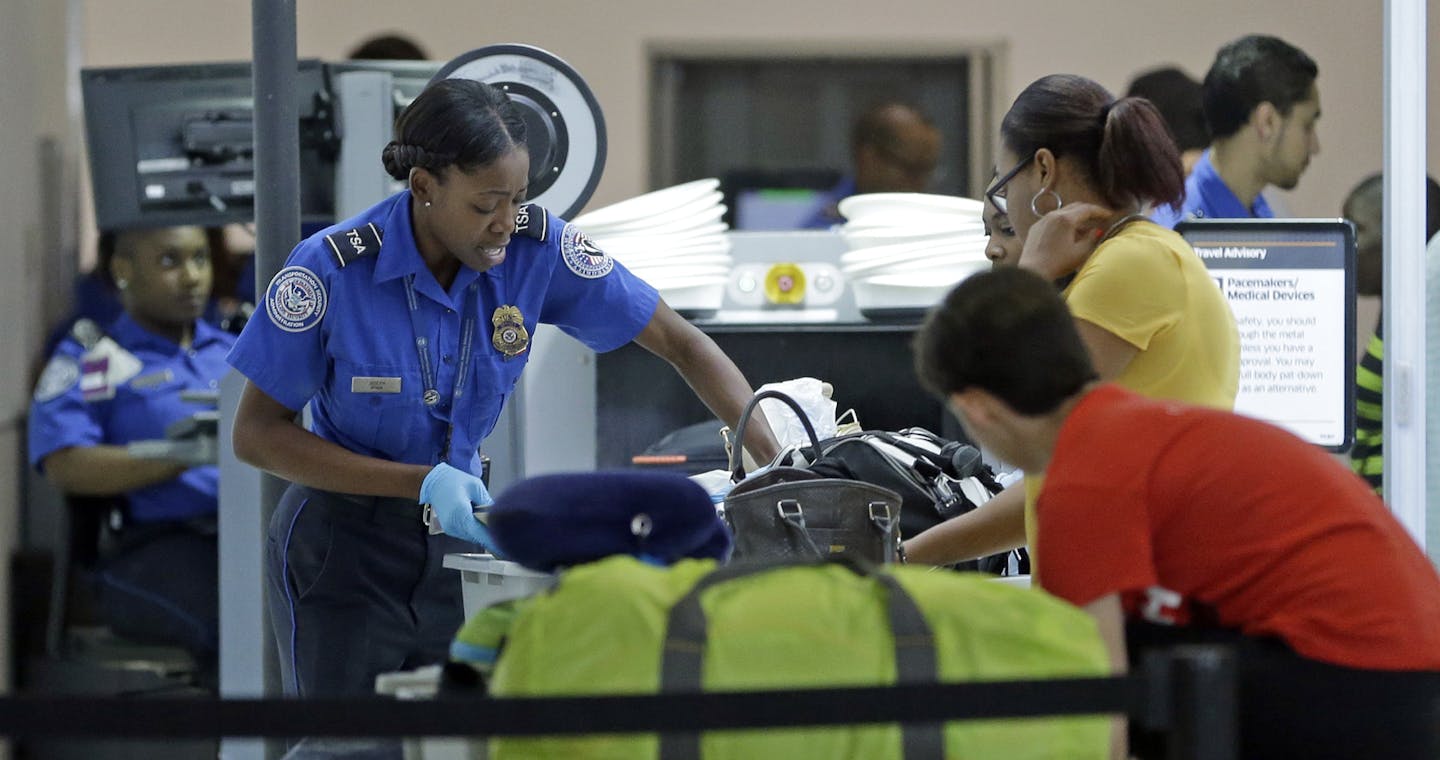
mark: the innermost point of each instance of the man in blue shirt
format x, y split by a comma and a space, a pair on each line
1261, 105
894, 149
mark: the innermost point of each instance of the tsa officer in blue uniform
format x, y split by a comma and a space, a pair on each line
405, 329
106, 386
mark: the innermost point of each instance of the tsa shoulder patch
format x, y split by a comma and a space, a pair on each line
60, 375
349, 245
582, 256
532, 221
296, 299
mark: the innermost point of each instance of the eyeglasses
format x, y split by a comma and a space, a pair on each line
993, 194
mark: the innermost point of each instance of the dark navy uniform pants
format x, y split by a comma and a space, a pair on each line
356, 588
161, 585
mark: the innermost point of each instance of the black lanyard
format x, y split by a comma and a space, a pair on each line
431, 396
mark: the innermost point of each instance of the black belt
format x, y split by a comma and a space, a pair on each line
367, 507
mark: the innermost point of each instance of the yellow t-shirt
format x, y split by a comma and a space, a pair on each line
1146, 286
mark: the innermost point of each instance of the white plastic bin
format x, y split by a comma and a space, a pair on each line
485, 580
423, 684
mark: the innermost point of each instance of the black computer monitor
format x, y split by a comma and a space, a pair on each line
1291, 285
174, 145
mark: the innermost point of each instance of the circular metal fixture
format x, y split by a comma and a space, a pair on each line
565, 128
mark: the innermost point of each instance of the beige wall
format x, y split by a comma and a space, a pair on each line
32, 91
606, 41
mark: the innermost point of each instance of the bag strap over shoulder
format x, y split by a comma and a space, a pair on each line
737, 454
682, 662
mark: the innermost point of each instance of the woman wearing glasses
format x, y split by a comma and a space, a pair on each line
1079, 171
1002, 245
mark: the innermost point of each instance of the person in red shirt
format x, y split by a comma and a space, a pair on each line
1177, 524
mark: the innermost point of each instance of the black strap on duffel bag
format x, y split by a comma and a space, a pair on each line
682, 663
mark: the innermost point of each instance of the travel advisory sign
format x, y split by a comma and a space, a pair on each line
1291, 286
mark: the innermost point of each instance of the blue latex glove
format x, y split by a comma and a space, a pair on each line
453, 495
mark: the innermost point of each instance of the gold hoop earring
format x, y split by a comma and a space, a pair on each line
1058, 201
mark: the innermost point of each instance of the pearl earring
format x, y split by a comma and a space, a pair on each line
427, 204
122, 284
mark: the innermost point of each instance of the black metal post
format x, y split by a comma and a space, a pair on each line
277, 193
277, 137
277, 158
1205, 702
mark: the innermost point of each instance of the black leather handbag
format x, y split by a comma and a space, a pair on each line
789, 513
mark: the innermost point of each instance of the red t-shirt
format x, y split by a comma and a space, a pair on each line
1198, 515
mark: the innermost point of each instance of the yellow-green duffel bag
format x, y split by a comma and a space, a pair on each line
620, 626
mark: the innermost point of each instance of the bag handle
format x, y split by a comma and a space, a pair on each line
737, 449
792, 516
682, 662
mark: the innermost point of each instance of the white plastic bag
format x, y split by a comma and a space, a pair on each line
716, 483
813, 396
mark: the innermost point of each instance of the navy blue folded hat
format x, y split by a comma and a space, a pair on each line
554, 521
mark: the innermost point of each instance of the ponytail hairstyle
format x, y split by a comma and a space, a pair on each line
454, 122
1123, 145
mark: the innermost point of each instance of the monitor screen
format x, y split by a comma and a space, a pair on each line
174, 145
777, 208
1291, 285
775, 199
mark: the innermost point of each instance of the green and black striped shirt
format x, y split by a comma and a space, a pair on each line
1367, 456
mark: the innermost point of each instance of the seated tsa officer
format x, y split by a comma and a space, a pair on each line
405, 329
1174, 523
108, 385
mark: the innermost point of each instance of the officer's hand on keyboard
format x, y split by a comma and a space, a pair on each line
453, 495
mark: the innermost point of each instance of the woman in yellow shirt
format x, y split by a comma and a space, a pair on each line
1081, 169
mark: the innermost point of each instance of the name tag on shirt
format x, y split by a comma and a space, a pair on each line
374, 385
152, 380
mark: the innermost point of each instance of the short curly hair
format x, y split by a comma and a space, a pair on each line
1006, 332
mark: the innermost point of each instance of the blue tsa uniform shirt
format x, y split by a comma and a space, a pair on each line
123, 384
1208, 197
398, 368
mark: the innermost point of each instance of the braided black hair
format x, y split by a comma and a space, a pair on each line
453, 122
